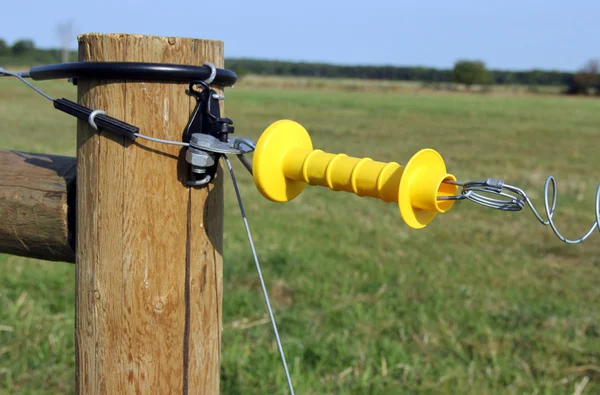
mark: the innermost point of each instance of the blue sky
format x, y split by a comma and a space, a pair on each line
506, 34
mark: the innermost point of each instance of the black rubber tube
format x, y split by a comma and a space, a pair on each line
132, 71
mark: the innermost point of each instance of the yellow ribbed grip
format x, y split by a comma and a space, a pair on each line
285, 162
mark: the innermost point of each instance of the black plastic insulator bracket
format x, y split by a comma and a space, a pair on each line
206, 119
101, 120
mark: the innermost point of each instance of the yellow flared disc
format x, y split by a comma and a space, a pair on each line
267, 166
432, 161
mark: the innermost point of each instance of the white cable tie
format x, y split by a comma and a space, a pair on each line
92, 117
213, 73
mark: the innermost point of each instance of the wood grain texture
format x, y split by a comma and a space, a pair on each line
149, 249
37, 195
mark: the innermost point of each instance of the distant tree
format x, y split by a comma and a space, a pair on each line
586, 79
4, 48
509, 79
22, 47
471, 72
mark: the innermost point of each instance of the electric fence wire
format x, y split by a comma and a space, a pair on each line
550, 207
180, 143
260, 276
21, 76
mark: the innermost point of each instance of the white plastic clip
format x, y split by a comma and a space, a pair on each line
213, 73
92, 117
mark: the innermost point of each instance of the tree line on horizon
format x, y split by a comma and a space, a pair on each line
468, 72
403, 73
25, 53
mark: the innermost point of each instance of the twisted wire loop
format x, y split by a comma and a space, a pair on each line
490, 193
238, 143
496, 194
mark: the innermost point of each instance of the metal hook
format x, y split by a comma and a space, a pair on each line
194, 92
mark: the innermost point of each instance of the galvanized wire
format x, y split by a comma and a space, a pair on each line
20, 76
498, 195
260, 276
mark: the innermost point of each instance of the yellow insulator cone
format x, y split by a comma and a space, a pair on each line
285, 162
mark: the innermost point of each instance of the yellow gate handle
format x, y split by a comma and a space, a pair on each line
285, 162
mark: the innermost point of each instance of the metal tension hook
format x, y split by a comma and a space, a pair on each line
204, 150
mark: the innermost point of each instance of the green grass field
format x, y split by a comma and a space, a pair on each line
479, 302
389, 86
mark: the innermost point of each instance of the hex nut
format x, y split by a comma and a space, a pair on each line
199, 158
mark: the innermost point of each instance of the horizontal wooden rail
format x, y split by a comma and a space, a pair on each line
37, 205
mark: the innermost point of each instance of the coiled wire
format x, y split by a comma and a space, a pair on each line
496, 194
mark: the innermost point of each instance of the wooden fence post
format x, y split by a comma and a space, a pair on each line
149, 274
